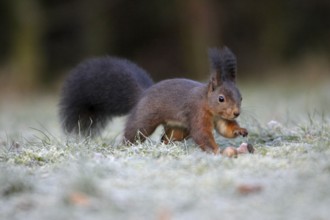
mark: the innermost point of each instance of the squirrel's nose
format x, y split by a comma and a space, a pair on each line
236, 114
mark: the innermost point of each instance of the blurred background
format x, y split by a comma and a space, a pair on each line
283, 40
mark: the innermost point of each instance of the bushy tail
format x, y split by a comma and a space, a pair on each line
97, 90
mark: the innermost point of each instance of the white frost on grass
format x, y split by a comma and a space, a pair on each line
44, 175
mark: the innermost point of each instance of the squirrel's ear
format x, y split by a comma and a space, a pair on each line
229, 64
216, 68
213, 83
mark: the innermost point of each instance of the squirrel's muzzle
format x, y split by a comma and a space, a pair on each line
236, 114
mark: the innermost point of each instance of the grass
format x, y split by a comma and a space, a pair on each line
45, 175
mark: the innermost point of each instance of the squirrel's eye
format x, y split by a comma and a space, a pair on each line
221, 98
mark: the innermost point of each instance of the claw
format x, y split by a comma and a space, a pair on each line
241, 131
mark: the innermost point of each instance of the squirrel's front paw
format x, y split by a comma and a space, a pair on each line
241, 132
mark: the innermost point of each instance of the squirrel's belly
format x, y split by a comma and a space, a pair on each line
173, 123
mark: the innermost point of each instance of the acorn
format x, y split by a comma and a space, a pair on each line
229, 152
245, 148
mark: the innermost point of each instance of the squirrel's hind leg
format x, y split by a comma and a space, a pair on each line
174, 134
139, 131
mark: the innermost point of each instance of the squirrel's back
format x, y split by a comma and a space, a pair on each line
98, 89
168, 97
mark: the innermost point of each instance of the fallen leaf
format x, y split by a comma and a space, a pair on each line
246, 189
78, 198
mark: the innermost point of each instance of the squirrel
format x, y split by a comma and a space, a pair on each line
190, 109
100, 89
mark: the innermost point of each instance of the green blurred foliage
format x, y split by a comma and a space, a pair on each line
42, 40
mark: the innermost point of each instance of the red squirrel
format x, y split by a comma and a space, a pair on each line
101, 88
190, 109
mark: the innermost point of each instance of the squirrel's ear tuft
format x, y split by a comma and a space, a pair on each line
216, 67
213, 83
229, 64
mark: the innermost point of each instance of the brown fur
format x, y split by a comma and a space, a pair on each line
188, 108
229, 129
174, 133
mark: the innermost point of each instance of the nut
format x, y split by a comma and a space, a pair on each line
229, 152
245, 148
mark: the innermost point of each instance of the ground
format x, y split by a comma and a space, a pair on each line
47, 175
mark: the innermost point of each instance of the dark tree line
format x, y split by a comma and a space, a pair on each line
41, 40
